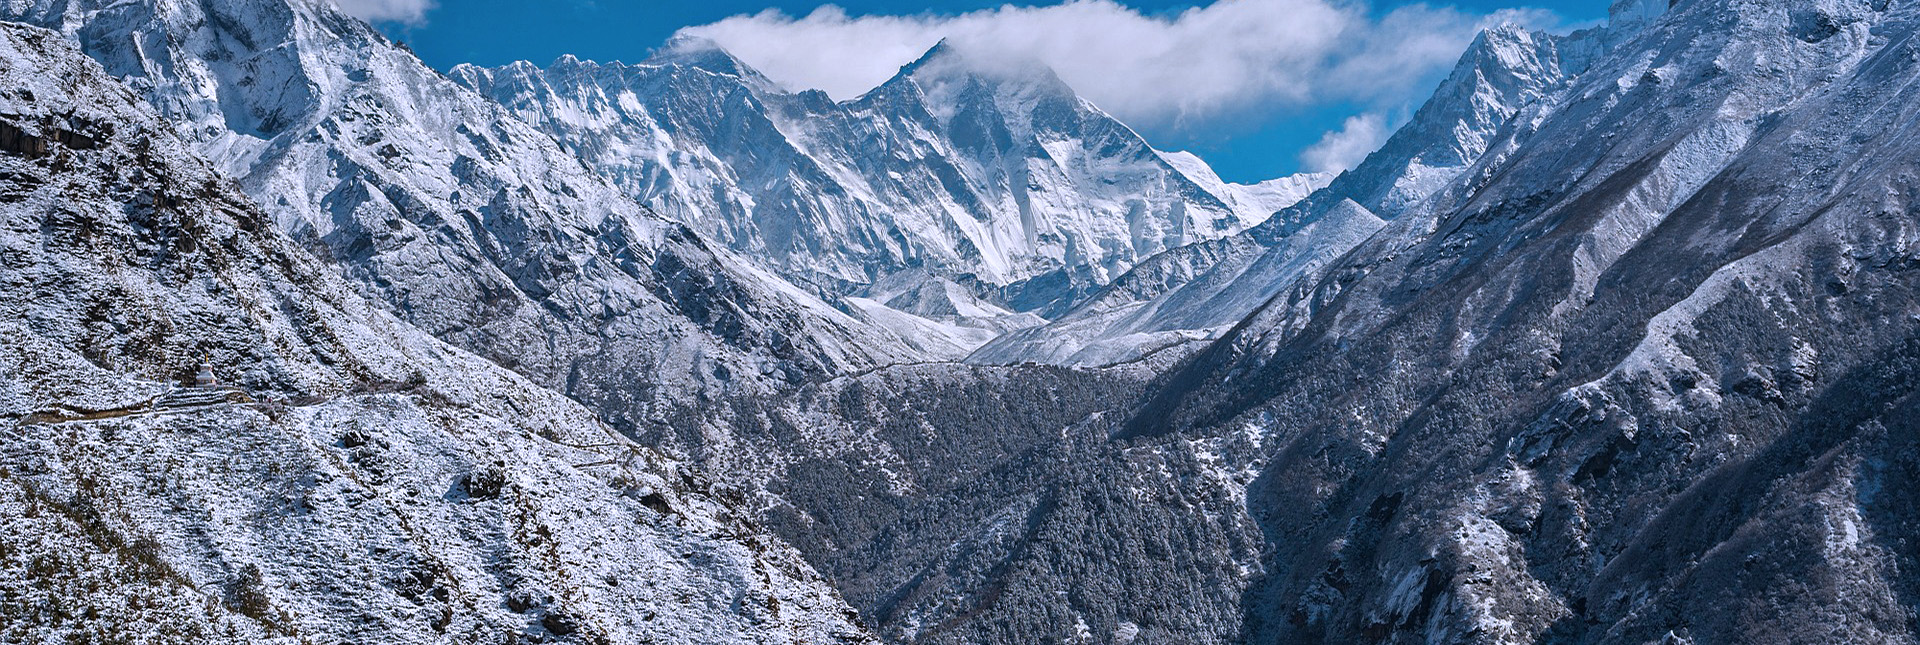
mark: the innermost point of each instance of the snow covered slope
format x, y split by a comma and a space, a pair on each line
986, 173
1198, 291
360, 482
1645, 375
1616, 344
468, 223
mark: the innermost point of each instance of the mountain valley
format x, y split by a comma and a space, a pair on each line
1614, 341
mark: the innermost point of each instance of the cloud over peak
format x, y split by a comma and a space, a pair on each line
1347, 147
411, 11
1156, 71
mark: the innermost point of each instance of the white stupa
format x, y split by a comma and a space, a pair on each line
204, 378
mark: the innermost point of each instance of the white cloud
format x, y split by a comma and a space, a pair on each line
1347, 147
394, 10
1150, 70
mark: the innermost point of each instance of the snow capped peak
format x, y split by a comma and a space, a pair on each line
702, 53
1257, 201
940, 50
1506, 49
949, 65
977, 168
1505, 68
1194, 292
689, 44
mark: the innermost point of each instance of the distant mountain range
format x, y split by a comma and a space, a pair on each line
1615, 341
981, 173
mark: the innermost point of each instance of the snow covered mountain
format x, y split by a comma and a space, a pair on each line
1196, 292
992, 175
358, 481
1615, 342
1647, 375
464, 220
941, 533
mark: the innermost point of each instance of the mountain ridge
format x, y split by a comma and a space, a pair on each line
960, 209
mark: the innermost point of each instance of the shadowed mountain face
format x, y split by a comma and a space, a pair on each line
1641, 378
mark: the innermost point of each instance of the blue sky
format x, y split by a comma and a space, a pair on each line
1332, 98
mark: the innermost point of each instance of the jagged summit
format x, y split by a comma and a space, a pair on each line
686, 50
948, 60
690, 48
944, 50
958, 81
971, 170
1505, 69
702, 53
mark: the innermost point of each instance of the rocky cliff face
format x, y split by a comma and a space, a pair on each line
992, 174
359, 481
